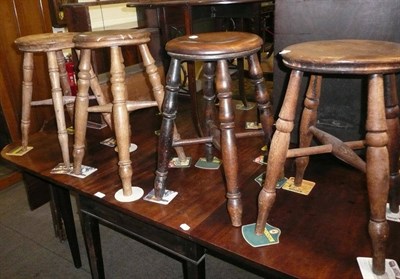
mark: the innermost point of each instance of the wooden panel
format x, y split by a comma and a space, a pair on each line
20, 18
78, 20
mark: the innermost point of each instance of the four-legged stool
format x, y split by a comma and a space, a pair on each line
378, 61
52, 44
213, 49
120, 107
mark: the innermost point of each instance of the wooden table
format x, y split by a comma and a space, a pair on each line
322, 234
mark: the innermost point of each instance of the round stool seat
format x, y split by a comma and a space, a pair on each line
45, 42
214, 50
343, 56
109, 38
378, 61
214, 45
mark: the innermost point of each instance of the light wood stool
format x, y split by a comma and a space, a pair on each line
376, 60
53, 45
120, 106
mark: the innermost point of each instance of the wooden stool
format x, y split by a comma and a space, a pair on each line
378, 61
213, 48
52, 44
120, 107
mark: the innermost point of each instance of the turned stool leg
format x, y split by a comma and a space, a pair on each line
209, 109
228, 142
262, 97
392, 121
308, 119
66, 88
121, 116
167, 126
58, 104
377, 171
27, 89
279, 146
158, 91
81, 105
101, 98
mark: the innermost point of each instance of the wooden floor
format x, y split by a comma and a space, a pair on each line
322, 233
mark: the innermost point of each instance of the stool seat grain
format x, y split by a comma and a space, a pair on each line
343, 56
214, 46
45, 42
111, 38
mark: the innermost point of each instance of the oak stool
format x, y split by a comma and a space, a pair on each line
53, 45
215, 50
342, 57
120, 106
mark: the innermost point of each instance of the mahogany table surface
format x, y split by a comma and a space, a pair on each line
156, 3
161, 2
322, 233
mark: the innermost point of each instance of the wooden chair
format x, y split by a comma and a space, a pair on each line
52, 44
214, 49
342, 57
120, 106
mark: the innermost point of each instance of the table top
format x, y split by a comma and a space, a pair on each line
322, 233
157, 3
193, 203
162, 2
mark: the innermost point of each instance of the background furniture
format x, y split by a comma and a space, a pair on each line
177, 18
78, 19
14, 17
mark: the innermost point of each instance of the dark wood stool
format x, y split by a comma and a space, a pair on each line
382, 132
120, 106
52, 44
213, 49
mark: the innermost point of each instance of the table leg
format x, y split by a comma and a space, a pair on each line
194, 270
63, 203
56, 215
91, 234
